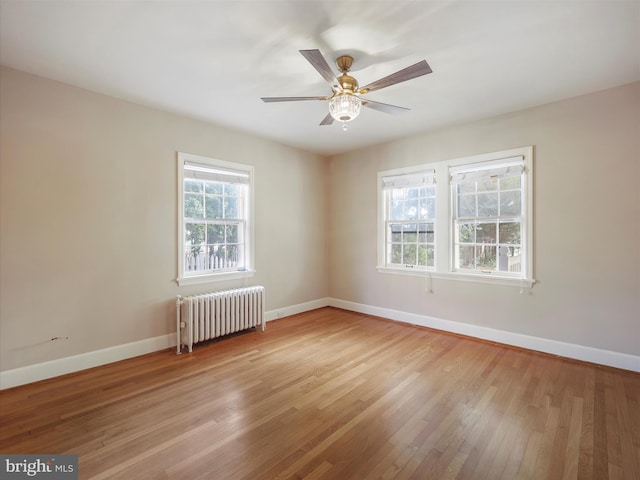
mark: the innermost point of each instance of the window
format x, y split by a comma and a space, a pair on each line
487, 217
215, 234
410, 209
465, 219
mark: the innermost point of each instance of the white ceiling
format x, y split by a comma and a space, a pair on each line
213, 60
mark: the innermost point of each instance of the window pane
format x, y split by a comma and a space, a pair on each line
215, 233
514, 259
194, 235
466, 257
213, 187
213, 207
510, 183
396, 253
488, 184
509, 232
192, 186
232, 256
232, 234
193, 207
410, 237
409, 255
428, 192
486, 233
220, 257
230, 207
427, 208
413, 192
426, 233
397, 194
466, 233
488, 204
410, 233
395, 230
509, 259
485, 257
468, 187
466, 205
411, 209
396, 210
216, 256
231, 189
425, 256
510, 203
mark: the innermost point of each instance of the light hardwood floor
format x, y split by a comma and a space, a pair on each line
331, 394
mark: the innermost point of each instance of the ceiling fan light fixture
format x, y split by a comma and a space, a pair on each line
344, 107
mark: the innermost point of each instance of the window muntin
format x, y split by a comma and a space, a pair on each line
215, 206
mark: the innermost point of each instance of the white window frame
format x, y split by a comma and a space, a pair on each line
187, 278
444, 264
401, 179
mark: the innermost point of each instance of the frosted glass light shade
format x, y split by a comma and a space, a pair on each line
345, 107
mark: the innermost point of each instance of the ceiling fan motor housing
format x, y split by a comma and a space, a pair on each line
347, 82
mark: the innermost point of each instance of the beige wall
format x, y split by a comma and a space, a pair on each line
89, 218
88, 221
586, 223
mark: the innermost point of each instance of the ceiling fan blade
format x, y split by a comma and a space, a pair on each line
315, 58
289, 99
384, 107
328, 120
417, 70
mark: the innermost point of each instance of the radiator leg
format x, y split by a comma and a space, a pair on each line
178, 304
190, 327
262, 309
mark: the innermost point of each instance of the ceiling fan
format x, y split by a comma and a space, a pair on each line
346, 98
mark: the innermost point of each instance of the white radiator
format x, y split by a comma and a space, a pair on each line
211, 315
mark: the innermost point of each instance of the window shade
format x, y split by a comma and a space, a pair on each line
506, 167
204, 172
421, 179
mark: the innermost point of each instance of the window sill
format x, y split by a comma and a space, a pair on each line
462, 277
214, 277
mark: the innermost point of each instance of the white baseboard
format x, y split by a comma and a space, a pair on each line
569, 350
62, 366
295, 309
